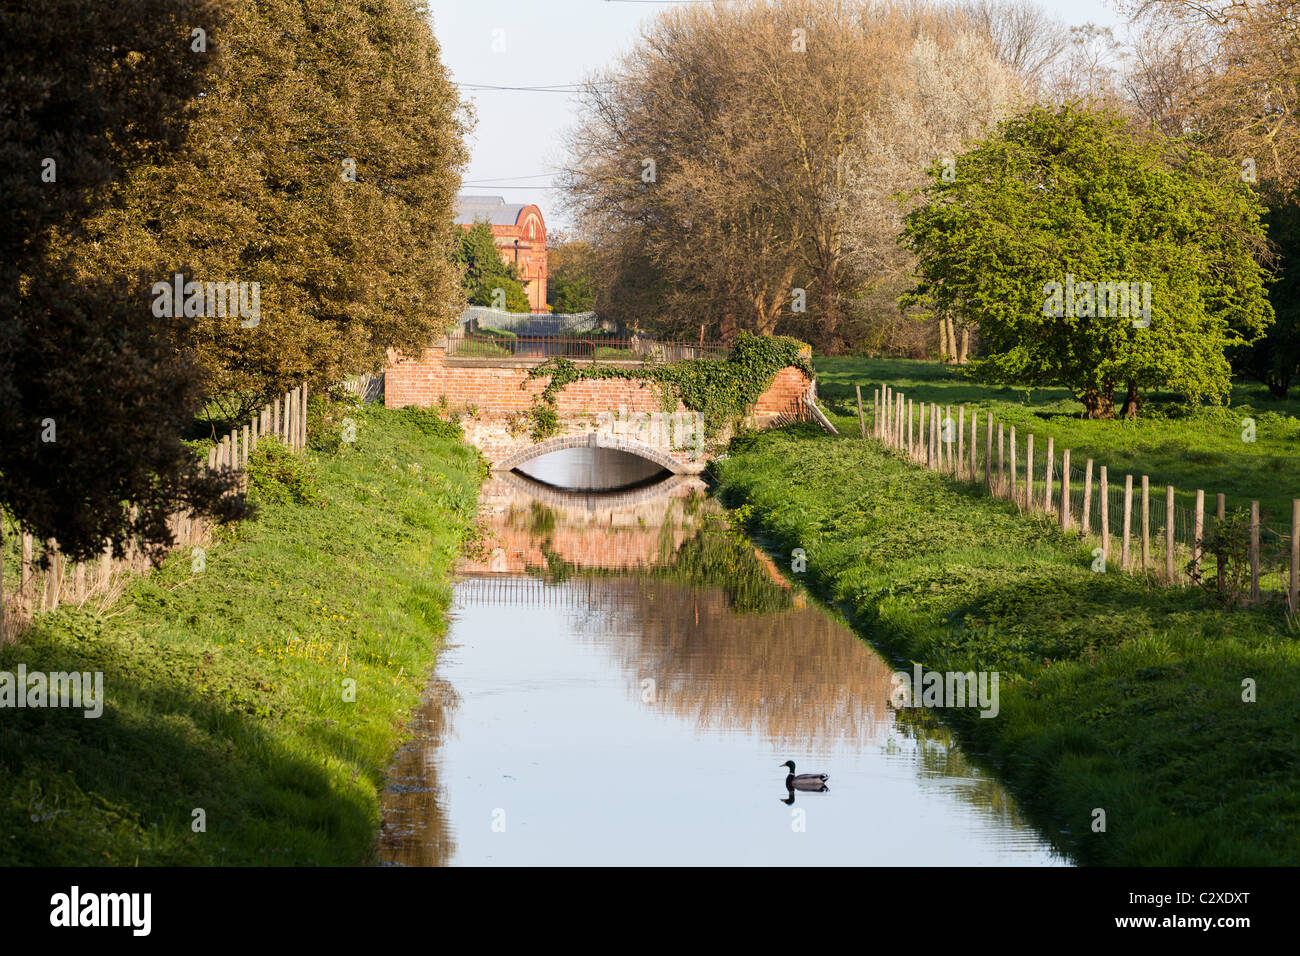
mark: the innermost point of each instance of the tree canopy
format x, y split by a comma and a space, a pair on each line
1073, 198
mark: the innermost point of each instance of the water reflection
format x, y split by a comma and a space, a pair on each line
647, 641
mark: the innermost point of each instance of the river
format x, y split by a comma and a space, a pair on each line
623, 677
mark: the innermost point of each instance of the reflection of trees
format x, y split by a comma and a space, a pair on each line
415, 830
936, 753
795, 676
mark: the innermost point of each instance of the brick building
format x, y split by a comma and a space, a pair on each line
520, 234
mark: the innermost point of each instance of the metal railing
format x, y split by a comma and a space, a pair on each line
595, 348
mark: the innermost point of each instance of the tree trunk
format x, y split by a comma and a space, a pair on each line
943, 341
952, 339
1098, 402
963, 357
1130, 409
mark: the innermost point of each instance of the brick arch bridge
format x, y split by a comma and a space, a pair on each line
617, 413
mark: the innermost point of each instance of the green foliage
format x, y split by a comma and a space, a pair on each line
93, 398
1113, 692
224, 688
279, 476
1068, 192
322, 163
486, 271
723, 391
429, 422
546, 421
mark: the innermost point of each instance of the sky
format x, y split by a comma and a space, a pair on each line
519, 138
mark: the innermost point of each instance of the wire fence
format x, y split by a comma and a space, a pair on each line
466, 344
541, 323
1246, 555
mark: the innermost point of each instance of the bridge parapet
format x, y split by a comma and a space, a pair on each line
617, 413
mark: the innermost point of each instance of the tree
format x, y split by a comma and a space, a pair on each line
726, 165
93, 397
1228, 72
488, 279
571, 265
322, 164
1060, 201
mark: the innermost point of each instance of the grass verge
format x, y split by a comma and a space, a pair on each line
1188, 448
1114, 694
226, 681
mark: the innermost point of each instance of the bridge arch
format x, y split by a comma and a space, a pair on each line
594, 440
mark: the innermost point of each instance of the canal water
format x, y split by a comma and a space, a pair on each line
623, 677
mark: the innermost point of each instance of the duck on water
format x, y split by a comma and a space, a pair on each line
815, 782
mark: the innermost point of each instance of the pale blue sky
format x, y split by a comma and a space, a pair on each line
552, 42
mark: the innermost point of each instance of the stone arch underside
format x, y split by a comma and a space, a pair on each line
595, 440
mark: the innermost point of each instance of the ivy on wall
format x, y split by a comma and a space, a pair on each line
722, 391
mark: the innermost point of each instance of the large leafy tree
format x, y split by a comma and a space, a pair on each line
1069, 194
322, 163
730, 169
93, 397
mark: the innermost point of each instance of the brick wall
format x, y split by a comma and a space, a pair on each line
501, 391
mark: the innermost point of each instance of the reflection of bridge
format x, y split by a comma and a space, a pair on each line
621, 413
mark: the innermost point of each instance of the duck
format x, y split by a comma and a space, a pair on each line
804, 781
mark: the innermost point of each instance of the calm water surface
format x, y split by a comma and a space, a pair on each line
623, 677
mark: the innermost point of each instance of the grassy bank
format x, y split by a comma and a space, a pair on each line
226, 686
1188, 448
1114, 695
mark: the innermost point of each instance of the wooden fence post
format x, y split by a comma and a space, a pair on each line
302, 419
1065, 490
1294, 597
1254, 551
1015, 491
911, 437
1146, 522
1128, 521
1169, 533
920, 432
1085, 520
961, 440
1048, 504
105, 575
988, 453
948, 437
933, 450
275, 418
26, 573
974, 444
244, 449
1103, 513
1029, 472
1198, 534
1001, 471
862, 422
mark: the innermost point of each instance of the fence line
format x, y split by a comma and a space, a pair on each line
469, 344
1170, 539
47, 578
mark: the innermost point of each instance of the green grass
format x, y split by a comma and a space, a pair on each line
1187, 448
1115, 694
225, 688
